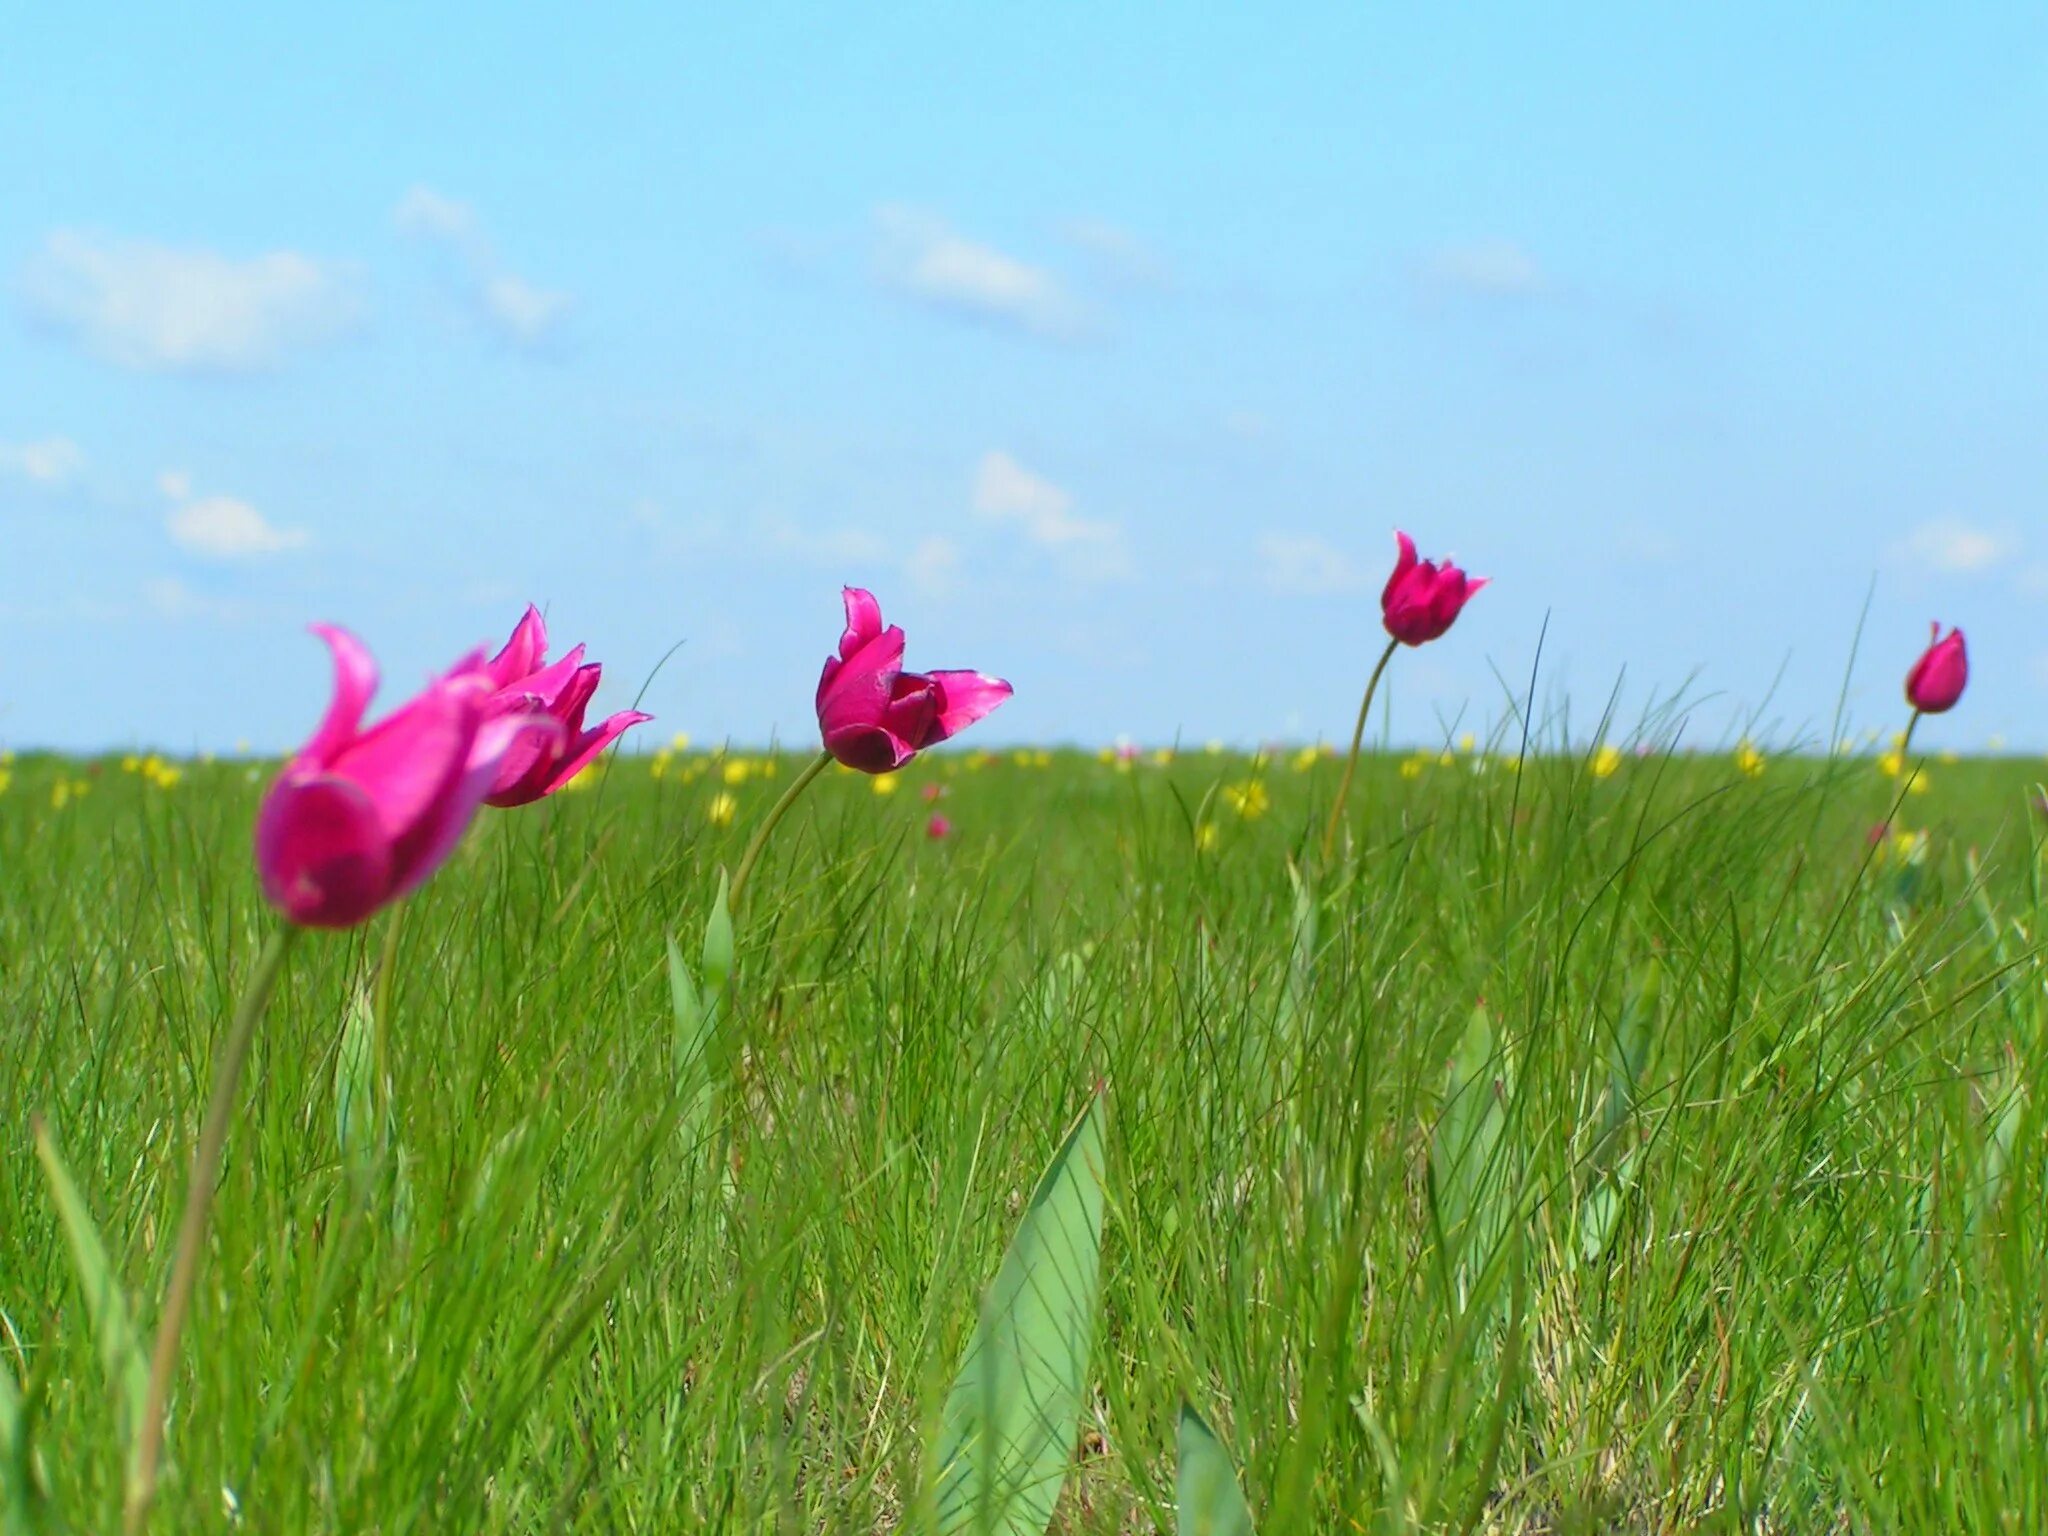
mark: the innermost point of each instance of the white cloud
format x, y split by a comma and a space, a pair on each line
1006, 492
54, 462
159, 307
934, 567
227, 529
423, 211
920, 255
1493, 268
1302, 565
1949, 544
221, 527
1117, 254
522, 312
830, 546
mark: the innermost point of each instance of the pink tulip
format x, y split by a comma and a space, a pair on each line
358, 818
1421, 601
1937, 678
876, 717
525, 681
938, 827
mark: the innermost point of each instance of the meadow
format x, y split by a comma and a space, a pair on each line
1604, 1141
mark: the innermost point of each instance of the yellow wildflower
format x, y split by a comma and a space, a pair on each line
883, 783
1248, 798
1748, 761
1607, 761
722, 808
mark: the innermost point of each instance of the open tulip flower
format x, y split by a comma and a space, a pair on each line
1421, 599
873, 715
539, 763
358, 817
1938, 677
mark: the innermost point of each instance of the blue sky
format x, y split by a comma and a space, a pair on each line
1107, 348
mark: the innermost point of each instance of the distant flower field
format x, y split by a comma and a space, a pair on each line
1598, 1139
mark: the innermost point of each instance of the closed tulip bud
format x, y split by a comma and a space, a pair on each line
525, 683
873, 715
1421, 599
1938, 677
359, 818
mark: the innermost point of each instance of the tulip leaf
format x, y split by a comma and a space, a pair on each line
1010, 1422
1211, 1504
1468, 1155
691, 1044
20, 1489
718, 950
106, 1306
355, 1091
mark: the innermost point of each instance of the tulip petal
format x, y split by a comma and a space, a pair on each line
523, 652
869, 748
965, 697
406, 763
863, 620
590, 745
428, 845
321, 851
858, 686
355, 680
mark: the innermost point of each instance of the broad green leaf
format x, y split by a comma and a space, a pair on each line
19, 1491
718, 949
692, 1043
1010, 1422
1301, 955
106, 1306
1467, 1157
1210, 1502
355, 1091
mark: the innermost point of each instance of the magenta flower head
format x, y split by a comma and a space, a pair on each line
1937, 678
539, 764
358, 817
938, 828
1421, 601
873, 715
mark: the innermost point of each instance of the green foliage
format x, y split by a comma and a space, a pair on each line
1205, 1489
1013, 1415
1767, 1165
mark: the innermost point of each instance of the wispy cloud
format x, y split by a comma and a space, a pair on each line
1952, 545
53, 463
221, 527
1302, 565
1118, 256
933, 567
517, 310
1006, 492
167, 308
921, 256
1497, 269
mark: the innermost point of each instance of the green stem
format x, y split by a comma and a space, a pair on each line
775, 814
206, 1161
1905, 764
1351, 763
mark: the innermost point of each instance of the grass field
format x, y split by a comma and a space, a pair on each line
1645, 1151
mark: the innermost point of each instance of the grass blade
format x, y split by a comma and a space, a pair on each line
106, 1306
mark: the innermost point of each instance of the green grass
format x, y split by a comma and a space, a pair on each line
1724, 1211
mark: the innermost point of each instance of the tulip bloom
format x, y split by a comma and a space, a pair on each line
873, 715
1421, 601
358, 817
1937, 678
539, 764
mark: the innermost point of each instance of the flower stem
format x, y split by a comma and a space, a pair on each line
1351, 763
775, 814
206, 1161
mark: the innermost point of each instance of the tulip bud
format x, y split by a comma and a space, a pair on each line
1937, 678
1421, 600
